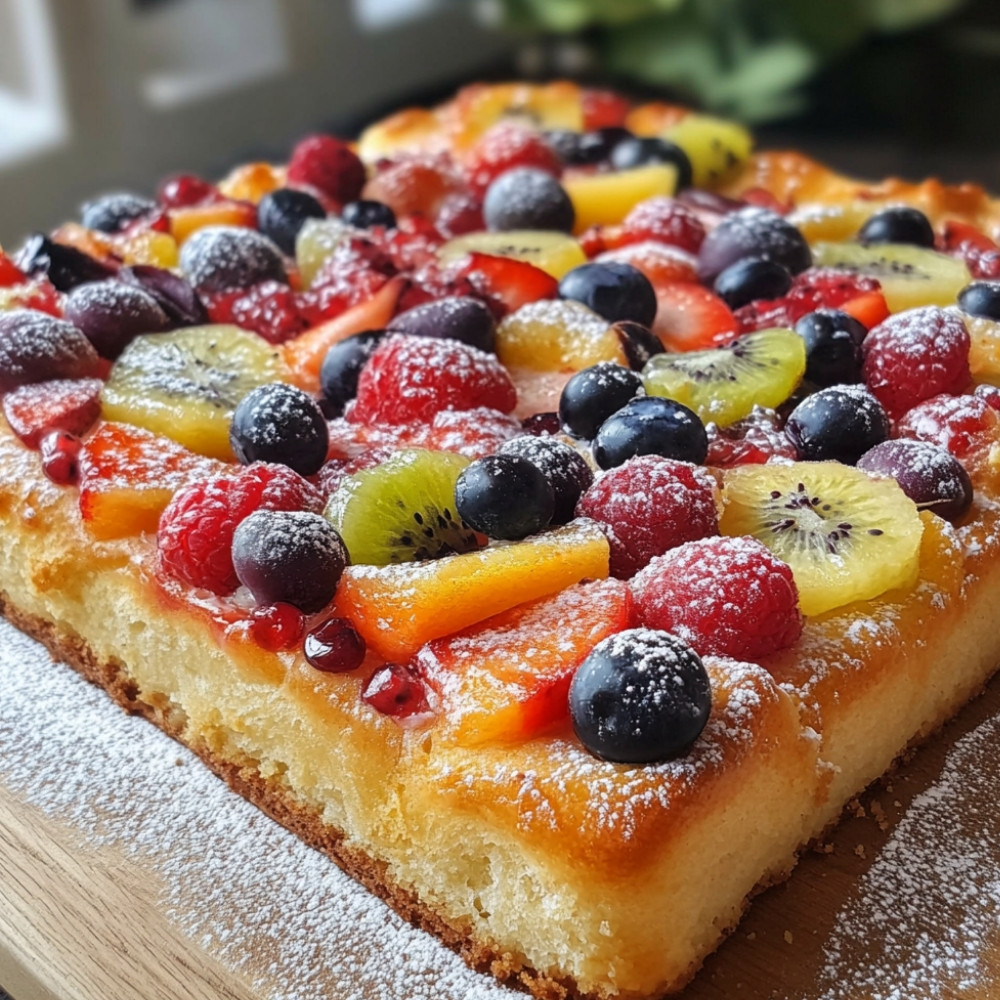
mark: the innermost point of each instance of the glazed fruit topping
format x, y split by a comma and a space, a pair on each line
411, 379
613, 290
756, 439
727, 596
334, 647
649, 505
915, 355
840, 423
526, 198
565, 469
69, 405
280, 423
270, 309
111, 313
222, 258
591, 396
651, 425
195, 536
60, 457
395, 691
329, 166
505, 497
900, 224
289, 557
641, 696
35, 347
281, 215
930, 476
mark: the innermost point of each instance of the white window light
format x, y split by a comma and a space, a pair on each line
377, 15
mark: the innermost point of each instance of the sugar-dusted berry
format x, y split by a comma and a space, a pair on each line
327, 165
961, 424
727, 596
394, 690
648, 506
505, 147
915, 355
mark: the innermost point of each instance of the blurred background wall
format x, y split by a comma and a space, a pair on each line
98, 94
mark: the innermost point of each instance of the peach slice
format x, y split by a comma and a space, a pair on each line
397, 609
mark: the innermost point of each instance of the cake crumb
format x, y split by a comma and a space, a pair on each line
860, 851
751, 935
879, 813
789, 937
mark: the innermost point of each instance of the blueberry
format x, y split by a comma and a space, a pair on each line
289, 557
584, 149
525, 198
841, 423
833, 347
929, 475
592, 395
563, 466
454, 317
613, 290
752, 232
112, 313
367, 213
36, 347
224, 258
900, 224
651, 425
638, 342
981, 298
639, 697
341, 368
282, 214
641, 152
281, 424
66, 267
504, 496
751, 279
112, 213
174, 295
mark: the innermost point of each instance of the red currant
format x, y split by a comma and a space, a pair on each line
275, 627
334, 647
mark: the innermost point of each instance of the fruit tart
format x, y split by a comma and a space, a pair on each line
546, 506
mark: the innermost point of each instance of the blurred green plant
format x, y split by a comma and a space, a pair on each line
748, 58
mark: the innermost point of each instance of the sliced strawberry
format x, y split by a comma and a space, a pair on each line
507, 283
691, 318
868, 309
10, 273
268, 309
432, 282
70, 405
128, 476
412, 244
603, 109
39, 295
665, 220
980, 253
817, 288
754, 440
661, 263
508, 678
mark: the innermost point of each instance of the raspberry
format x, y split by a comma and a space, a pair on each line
666, 221
816, 288
412, 244
275, 627
961, 424
411, 379
352, 274
195, 535
415, 183
328, 165
915, 355
504, 147
724, 596
268, 309
648, 506
991, 393
755, 440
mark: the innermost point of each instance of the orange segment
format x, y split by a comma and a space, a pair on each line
397, 609
252, 181
128, 476
185, 222
508, 679
304, 355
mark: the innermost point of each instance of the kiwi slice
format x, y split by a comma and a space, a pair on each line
847, 537
403, 510
724, 384
185, 385
715, 147
911, 276
553, 252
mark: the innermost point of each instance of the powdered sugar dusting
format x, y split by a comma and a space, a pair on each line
927, 911
239, 886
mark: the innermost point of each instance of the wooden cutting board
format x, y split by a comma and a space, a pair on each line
86, 914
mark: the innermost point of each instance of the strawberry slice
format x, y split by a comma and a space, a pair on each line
868, 309
603, 109
129, 475
70, 405
817, 288
661, 263
691, 318
10, 273
39, 295
508, 678
508, 284
980, 253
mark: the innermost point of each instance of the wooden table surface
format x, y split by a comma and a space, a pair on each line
88, 921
